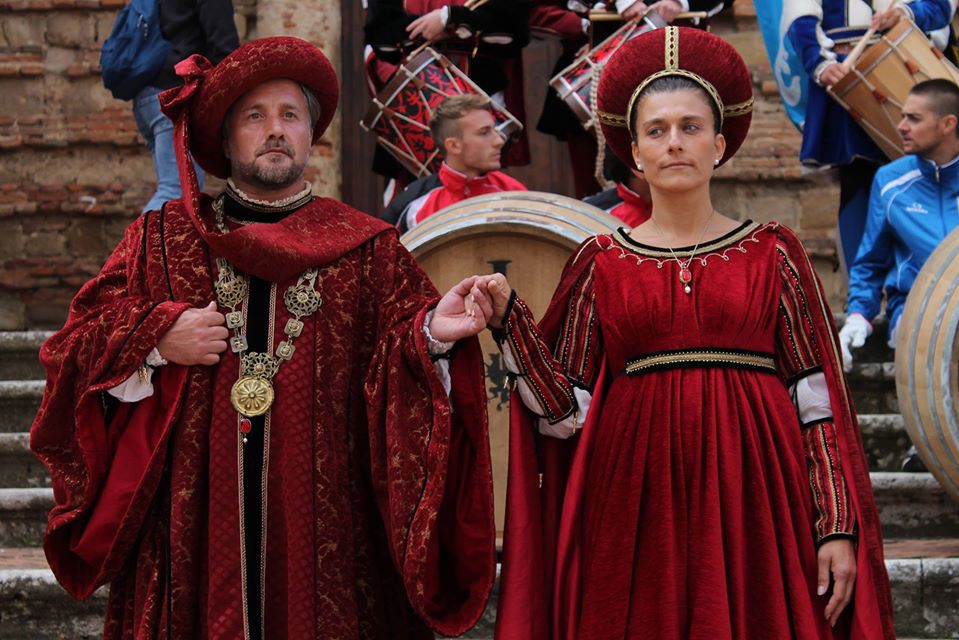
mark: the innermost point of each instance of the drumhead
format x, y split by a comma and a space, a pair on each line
927, 364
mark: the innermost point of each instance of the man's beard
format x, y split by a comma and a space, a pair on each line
272, 177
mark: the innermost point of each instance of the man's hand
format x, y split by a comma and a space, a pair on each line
462, 312
832, 74
887, 18
667, 9
837, 557
498, 291
430, 26
853, 336
197, 337
635, 11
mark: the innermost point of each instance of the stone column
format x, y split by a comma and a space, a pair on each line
319, 22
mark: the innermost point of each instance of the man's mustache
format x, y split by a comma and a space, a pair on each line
270, 145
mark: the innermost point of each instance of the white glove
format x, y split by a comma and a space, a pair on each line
852, 336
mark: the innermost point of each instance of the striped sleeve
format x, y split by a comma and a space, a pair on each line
552, 373
799, 360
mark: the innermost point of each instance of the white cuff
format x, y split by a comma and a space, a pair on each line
443, 371
445, 15
571, 425
812, 398
155, 359
434, 346
136, 387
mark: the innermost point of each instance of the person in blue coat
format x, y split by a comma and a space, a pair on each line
913, 206
823, 32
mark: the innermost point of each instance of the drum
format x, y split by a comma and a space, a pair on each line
927, 364
400, 114
876, 87
575, 83
526, 235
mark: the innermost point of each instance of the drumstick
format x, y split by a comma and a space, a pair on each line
857, 50
603, 16
474, 4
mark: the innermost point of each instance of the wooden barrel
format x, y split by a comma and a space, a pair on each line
927, 364
526, 235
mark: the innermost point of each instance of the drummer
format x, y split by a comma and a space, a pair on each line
823, 32
912, 209
629, 200
463, 127
485, 42
568, 20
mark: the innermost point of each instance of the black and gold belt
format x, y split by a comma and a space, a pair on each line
700, 358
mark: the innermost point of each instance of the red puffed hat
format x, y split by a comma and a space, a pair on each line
700, 56
208, 92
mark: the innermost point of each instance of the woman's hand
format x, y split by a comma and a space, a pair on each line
498, 292
837, 557
462, 312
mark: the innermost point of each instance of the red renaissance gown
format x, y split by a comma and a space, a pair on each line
691, 504
376, 500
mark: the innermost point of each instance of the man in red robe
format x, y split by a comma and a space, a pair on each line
463, 128
255, 420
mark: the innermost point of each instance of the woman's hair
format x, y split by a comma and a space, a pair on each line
670, 84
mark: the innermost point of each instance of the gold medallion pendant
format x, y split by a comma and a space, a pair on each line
252, 396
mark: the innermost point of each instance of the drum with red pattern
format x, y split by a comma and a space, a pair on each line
400, 114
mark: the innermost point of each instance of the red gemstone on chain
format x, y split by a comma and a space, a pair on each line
245, 425
685, 275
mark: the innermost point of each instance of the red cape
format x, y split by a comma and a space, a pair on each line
379, 487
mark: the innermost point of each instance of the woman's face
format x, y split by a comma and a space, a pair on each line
675, 143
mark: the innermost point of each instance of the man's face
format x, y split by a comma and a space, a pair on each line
268, 136
920, 127
479, 146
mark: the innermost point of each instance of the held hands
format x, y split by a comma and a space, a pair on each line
431, 26
837, 557
471, 306
852, 336
197, 337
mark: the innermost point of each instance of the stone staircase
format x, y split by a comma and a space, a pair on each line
920, 522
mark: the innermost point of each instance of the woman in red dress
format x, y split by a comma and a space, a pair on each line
685, 462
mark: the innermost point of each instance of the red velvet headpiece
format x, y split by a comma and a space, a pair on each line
704, 58
208, 92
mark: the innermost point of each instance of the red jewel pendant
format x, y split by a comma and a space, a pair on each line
245, 425
685, 276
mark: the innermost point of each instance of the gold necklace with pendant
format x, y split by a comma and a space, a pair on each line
252, 394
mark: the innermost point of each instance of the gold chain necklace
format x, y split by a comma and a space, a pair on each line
252, 394
685, 274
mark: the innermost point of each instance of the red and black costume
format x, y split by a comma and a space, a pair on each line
719, 446
372, 514
623, 203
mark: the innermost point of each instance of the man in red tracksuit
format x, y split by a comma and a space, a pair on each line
463, 127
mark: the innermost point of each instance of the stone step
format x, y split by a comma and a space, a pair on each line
924, 576
19, 403
911, 505
19, 354
18, 466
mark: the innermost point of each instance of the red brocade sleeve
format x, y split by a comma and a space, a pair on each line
429, 452
551, 371
112, 326
798, 356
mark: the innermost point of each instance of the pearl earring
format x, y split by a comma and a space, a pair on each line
639, 167
716, 162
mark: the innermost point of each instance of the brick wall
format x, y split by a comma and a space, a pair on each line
73, 172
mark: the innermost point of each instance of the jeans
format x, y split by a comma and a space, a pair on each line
157, 130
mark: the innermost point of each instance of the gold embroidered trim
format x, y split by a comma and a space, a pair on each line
700, 356
740, 109
707, 249
611, 119
671, 57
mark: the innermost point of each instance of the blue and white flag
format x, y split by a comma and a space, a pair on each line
787, 66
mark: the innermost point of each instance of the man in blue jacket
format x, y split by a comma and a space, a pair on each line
823, 32
912, 208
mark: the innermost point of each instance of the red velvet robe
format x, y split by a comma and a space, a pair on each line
683, 509
378, 510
